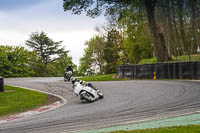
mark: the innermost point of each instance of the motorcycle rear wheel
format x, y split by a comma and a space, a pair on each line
88, 97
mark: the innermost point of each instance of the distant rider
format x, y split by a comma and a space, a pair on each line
68, 73
69, 68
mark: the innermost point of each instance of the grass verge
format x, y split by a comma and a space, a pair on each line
174, 59
179, 129
107, 77
15, 100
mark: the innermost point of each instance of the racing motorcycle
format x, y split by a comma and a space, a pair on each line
67, 76
86, 91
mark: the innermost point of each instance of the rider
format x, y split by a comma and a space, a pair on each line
84, 83
69, 68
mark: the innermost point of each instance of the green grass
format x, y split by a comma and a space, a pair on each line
174, 59
148, 61
186, 58
15, 100
107, 77
180, 129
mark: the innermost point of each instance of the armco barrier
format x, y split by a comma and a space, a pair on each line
177, 70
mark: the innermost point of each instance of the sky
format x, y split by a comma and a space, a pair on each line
19, 18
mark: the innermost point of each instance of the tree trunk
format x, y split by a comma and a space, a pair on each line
198, 24
194, 26
162, 17
180, 14
177, 46
170, 29
159, 40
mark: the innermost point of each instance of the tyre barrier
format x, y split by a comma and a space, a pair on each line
1, 84
177, 70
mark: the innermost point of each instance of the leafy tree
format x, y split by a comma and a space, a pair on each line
138, 43
86, 62
61, 63
55, 68
45, 47
95, 8
15, 62
50, 58
37, 65
112, 50
97, 46
102, 54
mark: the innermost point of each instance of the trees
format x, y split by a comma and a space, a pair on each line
174, 24
102, 54
19, 62
95, 8
97, 45
44, 47
57, 68
159, 40
138, 43
112, 50
86, 62
48, 58
93, 58
15, 62
51, 59
161, 28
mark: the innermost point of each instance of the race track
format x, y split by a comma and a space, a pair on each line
124, 102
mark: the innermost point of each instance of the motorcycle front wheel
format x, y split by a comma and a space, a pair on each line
100, 95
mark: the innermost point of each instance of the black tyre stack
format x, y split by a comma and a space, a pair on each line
1, 84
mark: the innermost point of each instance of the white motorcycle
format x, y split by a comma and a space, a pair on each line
67, 76
86, 91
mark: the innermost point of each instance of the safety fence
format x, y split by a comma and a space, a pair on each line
178, 70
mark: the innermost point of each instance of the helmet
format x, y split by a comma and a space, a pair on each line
74, 80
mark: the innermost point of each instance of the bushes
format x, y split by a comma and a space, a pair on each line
19, 62
15, 62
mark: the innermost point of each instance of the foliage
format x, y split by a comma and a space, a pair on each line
114, 8
57, 68
86, 63
174, 25
93, 58
44, 47
148, 61
15, 62
50, 57
112, 50
95, 8
107, 77
50, 60
103, 52
138, 43
15, 100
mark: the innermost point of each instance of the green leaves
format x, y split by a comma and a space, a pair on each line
44, 46
48, 58
15, 62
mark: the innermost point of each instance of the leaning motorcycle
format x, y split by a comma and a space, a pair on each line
67, 76
86, 92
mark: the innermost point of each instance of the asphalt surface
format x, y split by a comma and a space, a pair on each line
124, 102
